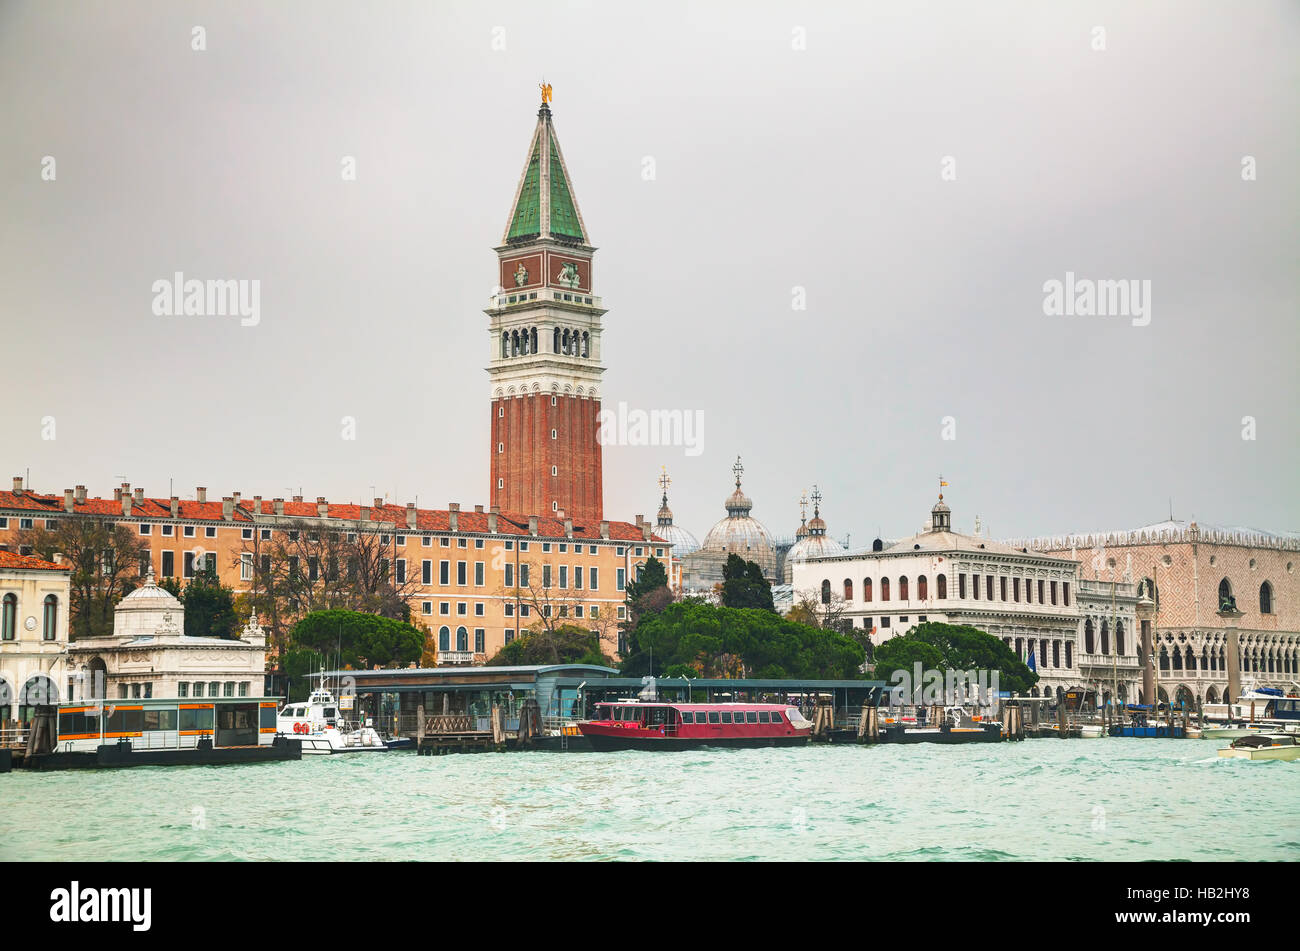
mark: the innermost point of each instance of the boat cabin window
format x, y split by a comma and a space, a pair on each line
331, 713
751, 716
763, 717
776, 716
688, 717
726, 716
713, 717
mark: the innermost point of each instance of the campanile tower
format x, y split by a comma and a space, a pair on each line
545, 328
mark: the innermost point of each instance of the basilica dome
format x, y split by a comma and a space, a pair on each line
683, 541
740, 533
811, 541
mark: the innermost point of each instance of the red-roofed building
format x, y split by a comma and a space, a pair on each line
475, 578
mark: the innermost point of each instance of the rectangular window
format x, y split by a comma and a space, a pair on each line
210, 531
169, 530
1041, 586
426, 607
510, 609
884, 621
546, 576
1029, 591
480, 641
462, 543
592, 578
1065, 591
243, 688
188, 531
401, 571
266, 534
462, 608
183, 689
961, 586
1015, 589
546, 546
445, 542
510, 575
427, 541
462, 572
1053, 589
988, 587
246, 566
24, 523
444, 607
523, 576
1003, 583
620, 579
401, 539
246, 534
564, 576
480, 569
478, 608
146, 528
189, 564
577, 576
478, 543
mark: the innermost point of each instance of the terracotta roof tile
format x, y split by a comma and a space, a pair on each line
12, 559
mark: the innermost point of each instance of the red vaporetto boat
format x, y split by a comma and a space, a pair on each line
634, 725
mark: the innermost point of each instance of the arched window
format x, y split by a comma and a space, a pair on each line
1191, 659
514, 343
1119, 638
1164, 658
50, 630
9, 618
505, 345
921, 588
533, 348
462, 639
1105, 636
555, 342
866, 589
826, 591
1089, 645
1178, 659
884, 589
586, 344
1266, 598
902, 588
444, 639
848, 589
1225, 592
943, 586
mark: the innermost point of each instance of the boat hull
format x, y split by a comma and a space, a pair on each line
604, 743
1285, 754
113, 755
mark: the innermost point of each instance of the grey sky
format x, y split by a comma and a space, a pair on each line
775, 168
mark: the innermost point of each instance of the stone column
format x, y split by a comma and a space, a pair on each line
1231, 618
1146, 612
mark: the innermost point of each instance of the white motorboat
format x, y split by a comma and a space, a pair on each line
1263, 746
319, 723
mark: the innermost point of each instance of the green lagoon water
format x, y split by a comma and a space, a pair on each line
1110, 799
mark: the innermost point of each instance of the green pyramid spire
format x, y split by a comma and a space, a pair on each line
544, 205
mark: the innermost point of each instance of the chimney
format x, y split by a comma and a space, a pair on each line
117, 494
379, 504
453, 516
80, 493
227, 507
201, 493
176, 506
410, 515
18, 485
492, 520
67, 500
297, 498
604, 529
278, 505
532, 525
568, 528
139, 496
322, 507
645, 530
365, 513
257, 505
126, 503
58, 558
478, 509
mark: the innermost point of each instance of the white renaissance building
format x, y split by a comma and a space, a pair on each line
1024, 597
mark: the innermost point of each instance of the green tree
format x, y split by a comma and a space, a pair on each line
718, 641
743, 585
353, 640
209, 607
946, 647
649, 592
566, 644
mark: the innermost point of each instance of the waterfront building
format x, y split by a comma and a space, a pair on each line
149, 655
1022, 596
1193, 571
475, 579
1109, 661
34, 598
739, 533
